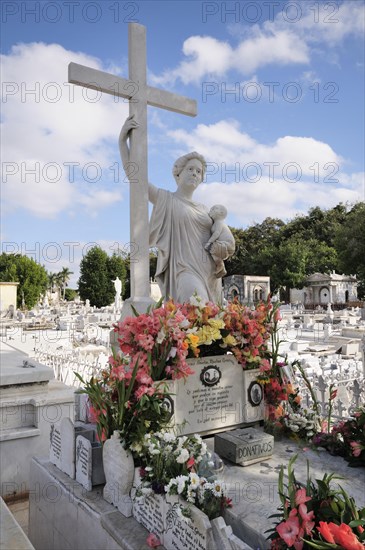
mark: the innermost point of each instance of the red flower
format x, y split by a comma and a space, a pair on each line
325, 532
342, 535
153, 541
333, 394
347, 539
190, 463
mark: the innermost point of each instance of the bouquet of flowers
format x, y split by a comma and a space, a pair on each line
171, 465
346, 438
316, 515
124, 398
164, 337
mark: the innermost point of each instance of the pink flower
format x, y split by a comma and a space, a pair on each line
153, 541
289, 530
356, 448
301, 497
307, 524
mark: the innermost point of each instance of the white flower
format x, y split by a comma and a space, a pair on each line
217, 488
294, 428
190, 496
180, 514
184, 324
203, 449
170, 484
194, 480
172, 353
169, 437
181, 440
181, 480
148, 468
196, 300
183, 456
161, 336
137, 447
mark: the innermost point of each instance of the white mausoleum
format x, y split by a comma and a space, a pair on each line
246, 288
324, 288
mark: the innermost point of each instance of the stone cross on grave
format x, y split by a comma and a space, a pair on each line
139, 94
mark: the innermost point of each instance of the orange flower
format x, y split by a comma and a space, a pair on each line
342, 535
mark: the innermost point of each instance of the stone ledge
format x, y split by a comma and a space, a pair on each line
18, 433
12, 536
92, 522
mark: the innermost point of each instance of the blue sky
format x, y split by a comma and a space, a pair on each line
289, 138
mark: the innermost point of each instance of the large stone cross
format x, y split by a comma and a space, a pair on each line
139, 94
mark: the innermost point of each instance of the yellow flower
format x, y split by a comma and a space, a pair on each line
216, 323
230, 340
207, 334
192, 340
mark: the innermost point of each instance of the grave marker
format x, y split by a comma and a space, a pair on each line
244, 446
89, 463
219, 395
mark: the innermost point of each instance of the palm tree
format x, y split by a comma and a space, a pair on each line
64, 277
51, 281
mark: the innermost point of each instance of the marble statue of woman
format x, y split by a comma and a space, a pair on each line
180, 229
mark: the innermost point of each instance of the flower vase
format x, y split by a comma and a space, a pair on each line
119, 473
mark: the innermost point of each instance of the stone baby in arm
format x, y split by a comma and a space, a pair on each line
221, 243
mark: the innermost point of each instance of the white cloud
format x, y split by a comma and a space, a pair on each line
57, 124
212, 57
255, 180
253, 202
224, 144
329, 22
288, 39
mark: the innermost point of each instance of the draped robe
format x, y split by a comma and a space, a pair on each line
180, 228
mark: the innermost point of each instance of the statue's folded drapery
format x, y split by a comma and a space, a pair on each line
180, 228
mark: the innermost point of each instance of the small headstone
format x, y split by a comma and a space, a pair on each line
62, 444
89, 463
150, 512
68, 447
195, 534
244, 446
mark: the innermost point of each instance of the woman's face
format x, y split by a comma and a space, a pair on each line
191, 175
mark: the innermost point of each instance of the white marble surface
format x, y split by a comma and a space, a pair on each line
14, 372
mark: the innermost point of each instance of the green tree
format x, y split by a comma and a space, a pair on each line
317, 224
290, 262
32, 277
97, 272
70, 294
350, 245
249, 244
